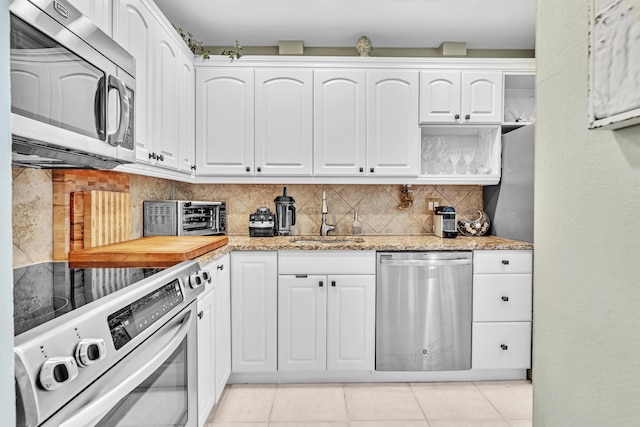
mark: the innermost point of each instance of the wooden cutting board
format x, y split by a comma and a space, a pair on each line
155, 251
99, 218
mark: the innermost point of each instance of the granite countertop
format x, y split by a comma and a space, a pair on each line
368, 243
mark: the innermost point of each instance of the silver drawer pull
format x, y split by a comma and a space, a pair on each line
505, 299
505, 261
504, 346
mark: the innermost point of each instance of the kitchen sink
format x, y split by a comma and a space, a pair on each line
327, 240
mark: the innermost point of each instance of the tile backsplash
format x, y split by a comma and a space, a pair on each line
377, 207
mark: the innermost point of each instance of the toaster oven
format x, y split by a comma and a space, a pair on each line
184, 218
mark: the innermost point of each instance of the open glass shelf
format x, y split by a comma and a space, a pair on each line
461, 154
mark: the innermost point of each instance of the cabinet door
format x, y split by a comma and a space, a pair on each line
254, 314
501, 345
206, 354
186, 114
339, 122
481, 97
393, 135
134, 29
302, 305
440, 97
222, 283
99, 11
351, 321
284, 122
167, 60
224, 123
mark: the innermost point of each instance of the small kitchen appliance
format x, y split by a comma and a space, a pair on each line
262, 223
285, 213
444, 222
184, 218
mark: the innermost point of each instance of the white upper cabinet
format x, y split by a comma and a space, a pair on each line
460, 97
284, 122
339, 100
134, 29
224, 121
186, 114
393, 135
166, 141
99, 11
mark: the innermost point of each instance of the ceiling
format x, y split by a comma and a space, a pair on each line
482, 24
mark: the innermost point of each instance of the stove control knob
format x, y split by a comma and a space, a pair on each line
90, 351
58, 371
206, 276
196, 280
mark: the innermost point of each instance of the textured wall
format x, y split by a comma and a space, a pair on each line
587, 265
377, 206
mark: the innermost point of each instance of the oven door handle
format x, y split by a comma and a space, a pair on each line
92, 413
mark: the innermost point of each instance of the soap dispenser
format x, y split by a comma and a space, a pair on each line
356, 228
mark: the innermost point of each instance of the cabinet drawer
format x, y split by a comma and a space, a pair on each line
502, 262
326, 262
504, 345
501, 297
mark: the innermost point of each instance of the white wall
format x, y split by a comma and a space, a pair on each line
586, 362
7, 399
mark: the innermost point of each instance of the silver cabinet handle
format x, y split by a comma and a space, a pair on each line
505, 299
117, 84
504, 346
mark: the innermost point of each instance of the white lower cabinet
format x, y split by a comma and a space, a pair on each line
254, 311
502, 309
326, 321
214, 337
206, 354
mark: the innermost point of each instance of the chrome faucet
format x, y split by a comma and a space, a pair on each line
325, 228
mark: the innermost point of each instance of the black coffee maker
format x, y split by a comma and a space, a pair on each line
285, 213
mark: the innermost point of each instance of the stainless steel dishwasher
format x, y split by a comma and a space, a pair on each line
423, 313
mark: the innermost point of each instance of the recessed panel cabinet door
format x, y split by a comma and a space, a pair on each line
482, 97
254, 311
284, 122
186, 114
439, 96
351, 321
339, 123
166, 140
222, 336
134, 30
302, 311
225, 121
393, 134
206, 354
99, 11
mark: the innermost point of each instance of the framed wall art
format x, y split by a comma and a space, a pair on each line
614, 75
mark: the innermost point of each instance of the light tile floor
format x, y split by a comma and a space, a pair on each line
462, 404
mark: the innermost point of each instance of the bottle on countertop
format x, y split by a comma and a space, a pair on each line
356, 228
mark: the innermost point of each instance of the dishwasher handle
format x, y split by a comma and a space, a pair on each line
425, 262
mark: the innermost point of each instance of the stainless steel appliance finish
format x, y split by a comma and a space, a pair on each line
128, 358
285, 213
262, 223
184, 218
72, 90
509, 204
444, 222
423, 314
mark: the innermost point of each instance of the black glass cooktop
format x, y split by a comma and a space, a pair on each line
44, 291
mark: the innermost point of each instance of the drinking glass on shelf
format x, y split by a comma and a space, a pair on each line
454, 156
427, 152
467, 154
484, 153
441, 153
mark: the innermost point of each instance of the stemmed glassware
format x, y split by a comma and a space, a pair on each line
427, 152
441, 152
484, 153
454, 156
467, 154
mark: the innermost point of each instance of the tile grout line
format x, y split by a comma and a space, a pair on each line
424, 414
491, 403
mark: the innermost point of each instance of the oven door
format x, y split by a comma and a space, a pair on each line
156, 384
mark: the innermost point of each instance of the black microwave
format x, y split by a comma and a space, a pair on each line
72, 90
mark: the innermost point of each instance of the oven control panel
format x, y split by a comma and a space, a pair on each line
130, 321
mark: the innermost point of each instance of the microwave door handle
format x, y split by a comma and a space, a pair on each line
99, 109
117, 84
